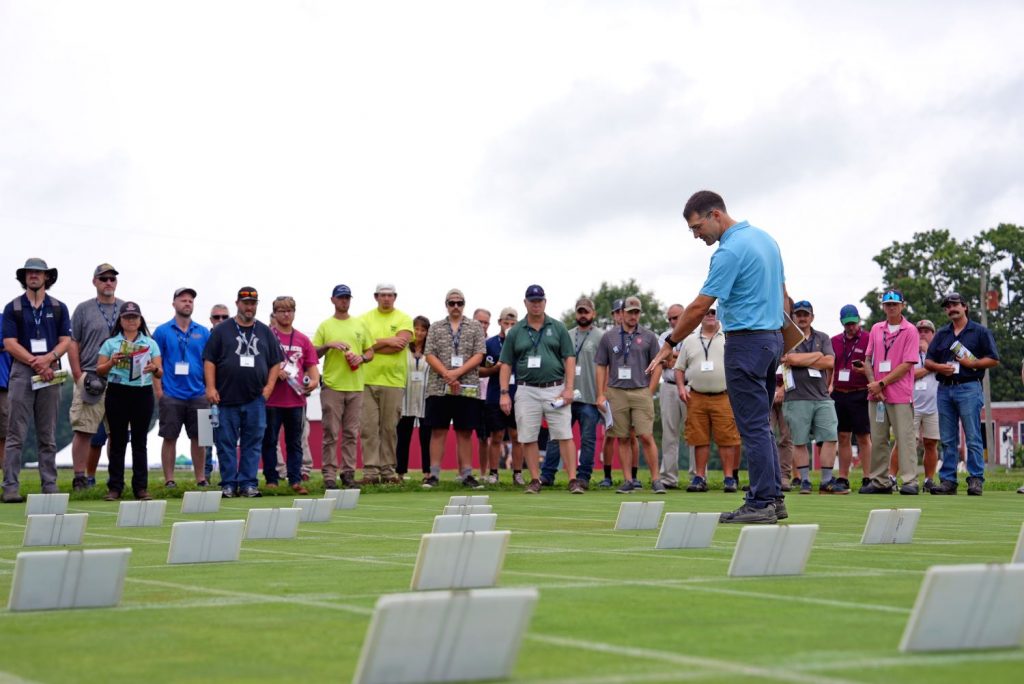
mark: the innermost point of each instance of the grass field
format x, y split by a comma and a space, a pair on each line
611, 608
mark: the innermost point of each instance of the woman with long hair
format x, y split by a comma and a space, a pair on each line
129, 359
414, 401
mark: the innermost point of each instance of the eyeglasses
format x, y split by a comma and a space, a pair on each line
711, 313
218, 317
453, 303
284, 311
701, 224
107, 279
673, 318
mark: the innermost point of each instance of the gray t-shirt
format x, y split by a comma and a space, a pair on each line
809, 388
584, 343
925, 391
91, 324
633, 351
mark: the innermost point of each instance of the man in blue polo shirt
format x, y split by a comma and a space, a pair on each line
747, 279
36, 333
181, 391
959, 354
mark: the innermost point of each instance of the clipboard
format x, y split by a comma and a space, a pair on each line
791, 335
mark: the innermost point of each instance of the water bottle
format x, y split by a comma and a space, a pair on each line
214, 416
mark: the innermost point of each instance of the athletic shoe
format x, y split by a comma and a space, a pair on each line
90, 482
864, 481
533, 487
909, 489
840, 485
670, 485
170, 484
575, 487
827, 487
892, 481
227, 492
795, 483
470, 482
202, 484
729, 486
748, 515
974, 486
805, 486
251, 493
780, 509
607, 482
698, 484
429, 482
517, 479
492, 479
929, 483
79, 483
944, 488
545, 482
637, 484
658, 488
626, 488
370, 480
871, 488
12, 497
1021, 490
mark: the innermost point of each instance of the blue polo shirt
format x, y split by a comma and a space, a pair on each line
36, 324
493, 347
178, 346
976, 337
746, 277
5, 369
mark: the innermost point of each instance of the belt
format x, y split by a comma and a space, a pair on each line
850, 391
553, 383
738, 333
671, 382
709, 394
961, 381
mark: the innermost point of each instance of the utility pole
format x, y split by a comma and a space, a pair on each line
991, 456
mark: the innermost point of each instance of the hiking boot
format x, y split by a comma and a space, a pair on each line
974, 486
470, 482
348, 480
517, 479
143, 495
575, 487
607, 483
12, 497
533, 487
369, 480
658, 488
330, 484
945, 487
872, 488
112, 495
729, 485
840, 485
299, 489
698, 484
626, 488
805, 486
909, 489
79, 483
780, 509
748, 515
429, 482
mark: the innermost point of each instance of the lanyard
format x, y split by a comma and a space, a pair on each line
287, 350
626, 341
182, 340
535, 342
37, 317
456, 336
707, 348
247, 341
579, 347
113, 315
888, 343
848, 350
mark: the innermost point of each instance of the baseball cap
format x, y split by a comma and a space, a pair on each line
182, 290
892, 296
534, 292
803, 305
385, 288
455, 292
585, 303
617, 305
632, 304
506, 312
248, 293
849, 314
925, 323
341, 291
130, 309
953, 298
104, 268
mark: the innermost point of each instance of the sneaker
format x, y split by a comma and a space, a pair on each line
795, 483
251, 493
872, 488
492, 479
112, 495
748, 515
330, 484
945, 487
90, 482
517, 479
545, 482
585, 484
470, 482
698, 484
865, 481
658, 488
606, 483
12, 497
974, 486
533, 487
840, 485
805, 486
227, 492
626, 488
637, 484
1021, 490
892, 481
729, 486
299, 489
79, 483
203, 483
670, 485
143, 495
575, 487
429, 482
929, 483
909, 489
827, 487
780, 509
170, 484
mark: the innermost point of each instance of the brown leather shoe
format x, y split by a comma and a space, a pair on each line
143, 495
112, 495
370, 480
299, 489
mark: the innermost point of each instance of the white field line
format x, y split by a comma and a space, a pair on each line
351, 559
667, 676
256, 598
10, 678
923, 660
720, 666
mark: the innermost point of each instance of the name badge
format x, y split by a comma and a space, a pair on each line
814, 372
417, 376
884, 366
247, 361
456, 362
625, 374
788, 381
512, 379
181, 368
579, 371
38, 346
707, 366
920, 386
533, 362
844, 375
956, 367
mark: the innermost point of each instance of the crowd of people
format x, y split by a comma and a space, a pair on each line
384, 374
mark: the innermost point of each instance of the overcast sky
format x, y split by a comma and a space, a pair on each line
295, 145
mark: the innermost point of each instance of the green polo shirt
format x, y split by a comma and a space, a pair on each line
551, 343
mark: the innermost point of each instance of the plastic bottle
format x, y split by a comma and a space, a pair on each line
214, 416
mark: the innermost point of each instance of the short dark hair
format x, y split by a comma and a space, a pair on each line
701, 202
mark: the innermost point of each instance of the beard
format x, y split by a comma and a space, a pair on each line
583, 321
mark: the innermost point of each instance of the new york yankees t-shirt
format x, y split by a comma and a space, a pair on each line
243, 357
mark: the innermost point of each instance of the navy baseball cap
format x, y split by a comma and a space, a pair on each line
617, 305
534, 293
849, 314
341, 291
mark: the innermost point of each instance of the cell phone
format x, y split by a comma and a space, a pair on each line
857, 364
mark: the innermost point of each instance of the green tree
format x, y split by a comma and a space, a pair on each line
653, 316
933, 263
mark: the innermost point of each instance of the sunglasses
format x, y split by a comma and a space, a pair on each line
453, 303
802, 304
243, 294
219, 317
107, 279
581, 310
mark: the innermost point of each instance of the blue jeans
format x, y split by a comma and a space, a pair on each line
750, 363
209, 463
960, 404
291, 419
587, 416
240, 425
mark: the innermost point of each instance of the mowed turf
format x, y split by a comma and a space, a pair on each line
611, 609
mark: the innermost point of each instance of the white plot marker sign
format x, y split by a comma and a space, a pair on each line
207, 541
1018, 553
967, 607
467, 509
687, 530
891, 526
46, 503
315, 510
141, 513
639, 515
200, 502
479, 522
465, 560
51, 580
272, 523
445, 636
55, 529
345, 499
772, 550
469, 500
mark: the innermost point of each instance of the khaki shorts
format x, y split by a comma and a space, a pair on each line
710, 415
85, 418
3, 414
631, 408
532, 404
926, 425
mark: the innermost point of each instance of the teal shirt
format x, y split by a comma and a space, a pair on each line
120, 373
746, 277
551, 343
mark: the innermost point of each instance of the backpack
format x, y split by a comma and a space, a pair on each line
55, 308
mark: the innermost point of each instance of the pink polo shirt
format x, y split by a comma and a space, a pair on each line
899, 347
